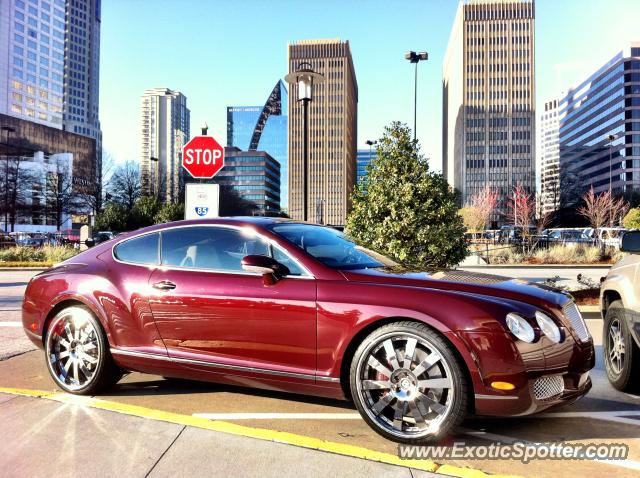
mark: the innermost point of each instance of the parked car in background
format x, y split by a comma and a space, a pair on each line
567, 237
6, 240
103, 236
609, 236
620, 306
289, 306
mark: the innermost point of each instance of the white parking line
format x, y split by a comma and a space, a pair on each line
279, 416
10, 324
611, 416
629, 464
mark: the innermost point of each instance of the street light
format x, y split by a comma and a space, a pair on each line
8, 130
204, 128
370, 143
153, 187
611, 138
416, 58
305, 77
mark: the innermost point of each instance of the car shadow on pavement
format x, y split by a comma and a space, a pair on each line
177, 386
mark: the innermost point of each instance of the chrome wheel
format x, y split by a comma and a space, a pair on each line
616, 347
406, 385
73, 349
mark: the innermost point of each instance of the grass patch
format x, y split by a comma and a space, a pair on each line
26, 264
45, 255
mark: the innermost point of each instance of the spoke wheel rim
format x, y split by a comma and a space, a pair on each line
405, 385
616, 347
73, 350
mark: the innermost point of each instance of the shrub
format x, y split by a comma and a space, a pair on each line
45, 254
404, 210
632, 219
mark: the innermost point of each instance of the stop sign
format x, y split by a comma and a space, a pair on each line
203, 157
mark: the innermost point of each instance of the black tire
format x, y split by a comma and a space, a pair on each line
87, 356
404, 396
623, 371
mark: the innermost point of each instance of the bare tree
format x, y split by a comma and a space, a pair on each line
484, 202
17, 181
520, 207
61, 199
597, 208
124, 185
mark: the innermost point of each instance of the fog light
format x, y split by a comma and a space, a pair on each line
502, 385
34, 326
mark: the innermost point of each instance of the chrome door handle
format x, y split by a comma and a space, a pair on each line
164, 285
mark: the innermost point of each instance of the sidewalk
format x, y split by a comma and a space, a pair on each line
44, 438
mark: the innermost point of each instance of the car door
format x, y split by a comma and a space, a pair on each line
208, 309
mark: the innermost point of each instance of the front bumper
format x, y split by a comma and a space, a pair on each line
528, 399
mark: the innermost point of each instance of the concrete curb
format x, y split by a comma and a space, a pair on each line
24, 268
252, 432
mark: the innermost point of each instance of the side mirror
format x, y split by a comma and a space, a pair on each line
90, 242
264, 265
631, 242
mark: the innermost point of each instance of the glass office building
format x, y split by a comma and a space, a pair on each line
600, 130
363, 159
255, 175
263, 128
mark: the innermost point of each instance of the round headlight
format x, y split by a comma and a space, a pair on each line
520, 328
548, 327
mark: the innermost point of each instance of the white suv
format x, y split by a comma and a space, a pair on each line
620, 304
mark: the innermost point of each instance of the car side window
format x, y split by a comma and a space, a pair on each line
139, 250
212, 248
282, 258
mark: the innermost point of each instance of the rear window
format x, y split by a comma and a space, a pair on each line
140, 250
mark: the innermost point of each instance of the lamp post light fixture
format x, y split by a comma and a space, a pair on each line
305, 77
415, 58
611, 138
204, 128
8, 130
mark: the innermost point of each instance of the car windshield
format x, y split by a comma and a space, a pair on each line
331, 247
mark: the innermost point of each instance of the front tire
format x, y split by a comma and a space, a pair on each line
408, 384
621, 354
77, 353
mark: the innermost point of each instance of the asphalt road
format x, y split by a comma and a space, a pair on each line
604, 416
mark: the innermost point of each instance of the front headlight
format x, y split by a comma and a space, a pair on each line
548, 327
520, 328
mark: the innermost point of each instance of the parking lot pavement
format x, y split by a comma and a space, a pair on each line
12, 338
604, 416
48, 438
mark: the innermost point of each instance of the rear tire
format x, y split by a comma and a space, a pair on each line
408, 384
621, 353
77, 353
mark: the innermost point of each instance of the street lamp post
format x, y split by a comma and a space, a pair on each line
305, 77
153, 159
8, 130
415, 58
370, 144
611, 138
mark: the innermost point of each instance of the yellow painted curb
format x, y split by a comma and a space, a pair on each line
251, 432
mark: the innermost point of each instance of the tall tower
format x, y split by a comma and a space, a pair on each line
165, 124
489, 98
333, 120
263, 128
550, 158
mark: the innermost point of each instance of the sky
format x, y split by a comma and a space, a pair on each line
221, 53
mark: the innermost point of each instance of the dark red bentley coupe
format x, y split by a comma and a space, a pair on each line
297, 307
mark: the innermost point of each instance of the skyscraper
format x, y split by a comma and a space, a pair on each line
333, 119
165, 122
363, 159
49, 63
489, 98
263, 128
255, 175
550, 158
600, 130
